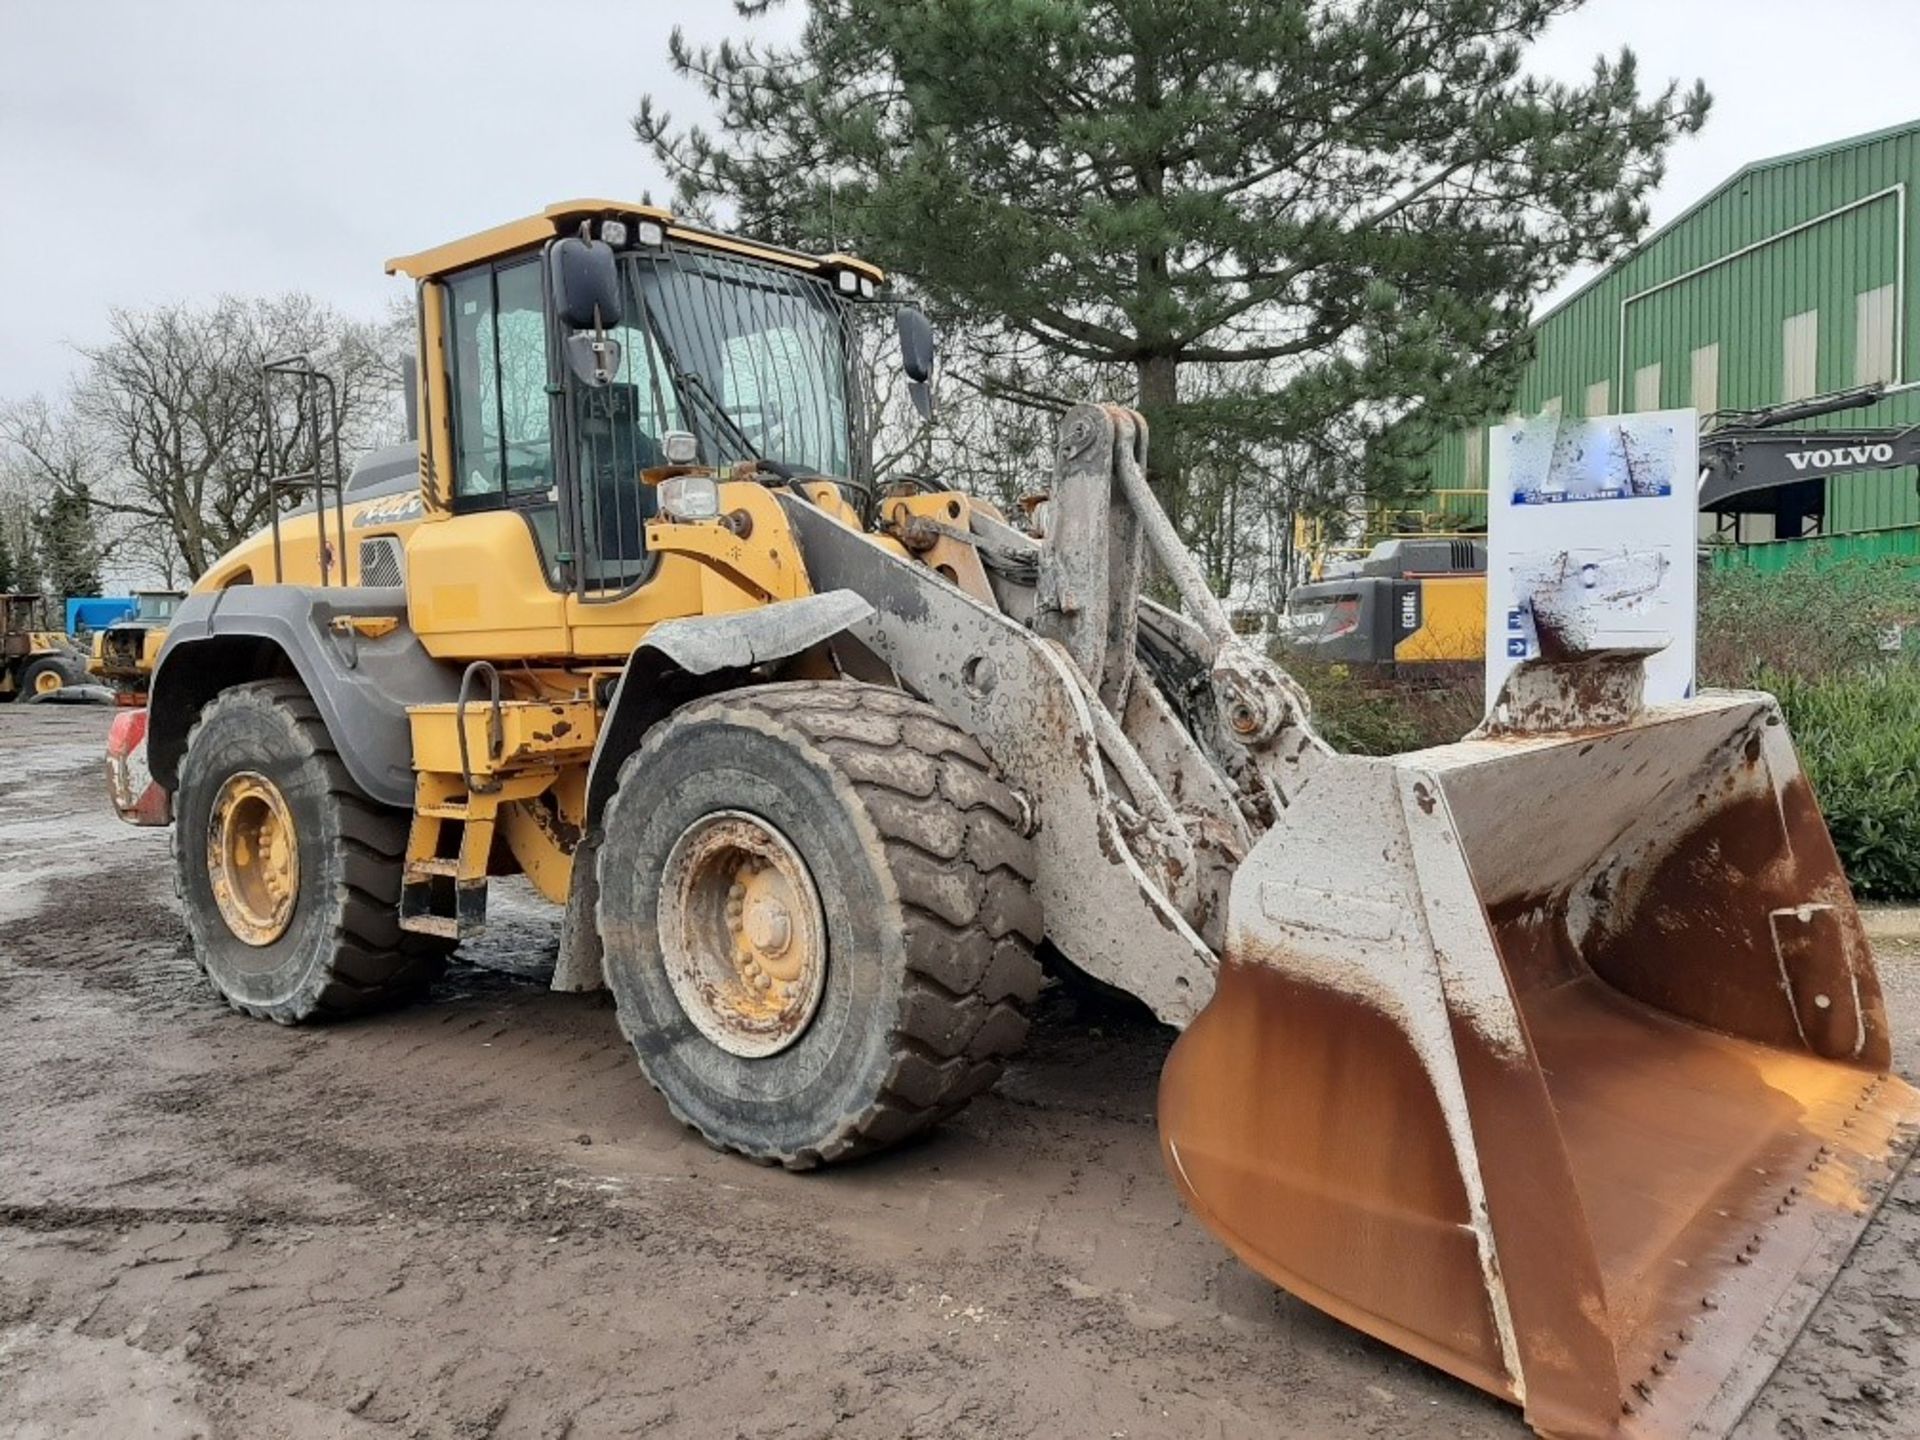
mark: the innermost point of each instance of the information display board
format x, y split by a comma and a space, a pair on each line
1591, 533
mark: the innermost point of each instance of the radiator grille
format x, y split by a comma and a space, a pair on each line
380, 561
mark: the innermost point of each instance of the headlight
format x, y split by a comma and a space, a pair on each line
848, 282
679, 447
652, 232
866, 287
689, 497
614, 232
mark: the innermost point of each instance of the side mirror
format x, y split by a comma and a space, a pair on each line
916, 356
916, 343
586, 283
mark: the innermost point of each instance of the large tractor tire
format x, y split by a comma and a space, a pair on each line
289, 873
817, 912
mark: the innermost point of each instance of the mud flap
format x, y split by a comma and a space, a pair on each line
1558, 1061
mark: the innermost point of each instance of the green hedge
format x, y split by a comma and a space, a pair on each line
1810, 622
1820, 637
1859, 742
1361, 716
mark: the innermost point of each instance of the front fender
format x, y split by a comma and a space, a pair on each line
679, 661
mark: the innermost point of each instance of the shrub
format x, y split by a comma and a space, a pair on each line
1859, 742
1362, 715
1816, 636
1806, 621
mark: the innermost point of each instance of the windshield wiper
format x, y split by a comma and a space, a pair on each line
698, 386
694, 387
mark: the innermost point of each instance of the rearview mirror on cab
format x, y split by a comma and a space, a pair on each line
586, 283
585, 280
916, 355
916, 343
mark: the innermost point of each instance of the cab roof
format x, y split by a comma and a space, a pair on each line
565, 217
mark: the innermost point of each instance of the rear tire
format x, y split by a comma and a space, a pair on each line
339, 949
922, 868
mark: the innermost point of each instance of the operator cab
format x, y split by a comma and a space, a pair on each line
574, 343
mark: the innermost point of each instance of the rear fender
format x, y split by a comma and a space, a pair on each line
362, 685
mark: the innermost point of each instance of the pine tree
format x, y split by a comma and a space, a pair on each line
1291, 223
19, 560
69, 543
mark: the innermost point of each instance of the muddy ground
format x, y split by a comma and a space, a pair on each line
474, 1218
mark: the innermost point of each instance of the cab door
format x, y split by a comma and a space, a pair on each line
490, 582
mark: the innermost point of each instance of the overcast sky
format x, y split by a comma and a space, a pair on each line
155, 150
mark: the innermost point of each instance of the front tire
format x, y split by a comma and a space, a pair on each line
289, 873
914, 883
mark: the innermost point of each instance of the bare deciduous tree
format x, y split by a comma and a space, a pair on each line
49, 470
176, 408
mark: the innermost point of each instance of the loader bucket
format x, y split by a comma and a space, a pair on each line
1558, 1061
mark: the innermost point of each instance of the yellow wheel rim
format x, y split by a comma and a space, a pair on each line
742, 933
253, 858
46, 682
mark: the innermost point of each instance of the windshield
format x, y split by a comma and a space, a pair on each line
155, 607
752, 358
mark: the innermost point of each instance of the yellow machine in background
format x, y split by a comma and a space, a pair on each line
36, 657
1555, 1057
1412, 606
124, 653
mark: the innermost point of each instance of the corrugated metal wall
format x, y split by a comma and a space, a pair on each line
1785, 238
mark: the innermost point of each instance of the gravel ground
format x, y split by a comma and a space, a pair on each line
474, 1218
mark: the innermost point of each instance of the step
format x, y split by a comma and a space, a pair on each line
444, 926
448, 810
421, 869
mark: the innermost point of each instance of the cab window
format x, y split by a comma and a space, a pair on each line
503, 442
617, 430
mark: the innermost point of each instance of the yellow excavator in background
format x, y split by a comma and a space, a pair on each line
1412, 606
1555, 1057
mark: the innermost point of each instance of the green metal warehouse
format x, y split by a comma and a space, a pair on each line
1793, 278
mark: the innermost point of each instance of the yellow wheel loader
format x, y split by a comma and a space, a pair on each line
1555, 1057
36, 657
124, 653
